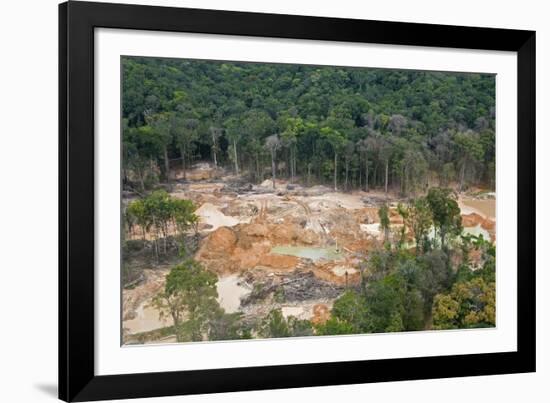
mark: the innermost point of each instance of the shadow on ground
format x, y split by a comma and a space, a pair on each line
49, 389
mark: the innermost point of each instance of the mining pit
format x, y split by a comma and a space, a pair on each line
290, 247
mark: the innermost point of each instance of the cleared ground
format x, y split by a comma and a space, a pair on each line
305, 243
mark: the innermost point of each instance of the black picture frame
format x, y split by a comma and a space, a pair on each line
77, 21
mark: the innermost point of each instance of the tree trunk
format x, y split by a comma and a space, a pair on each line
258, 177
155, 240
366, 174
386, 177
124, 175
309, 174
462, 174
293, 164
360, 173
141, 179
273, 168
214, 150
335, 171
235, 153
347, 171
165, 231
182, 153
175, 319
403, 179
289, 163
166, 164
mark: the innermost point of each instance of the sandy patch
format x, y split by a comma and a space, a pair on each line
342, 270
371, 229
230, 291
295, 311
350, 201
211, 215
485, 207
146, 319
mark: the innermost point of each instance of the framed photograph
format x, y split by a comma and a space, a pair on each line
257, 201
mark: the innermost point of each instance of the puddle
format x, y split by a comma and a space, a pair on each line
476, 231
147, 319
211, 215
484, 207
230, 293
308, 252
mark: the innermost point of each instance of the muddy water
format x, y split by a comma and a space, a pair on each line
308, 252
230, 292
211, 215
147, 319
486, 208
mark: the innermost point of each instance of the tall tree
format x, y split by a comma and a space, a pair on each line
445, 213
256, 125
292, 127
272, 144
470, 152
160, 124
413, 169
215, 134
417, 217
364, 148
385, 152
349, 150
336, 141
383, 215
233, 131
141, 146
189, 298
184, 127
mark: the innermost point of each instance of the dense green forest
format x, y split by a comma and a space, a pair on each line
348, 127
